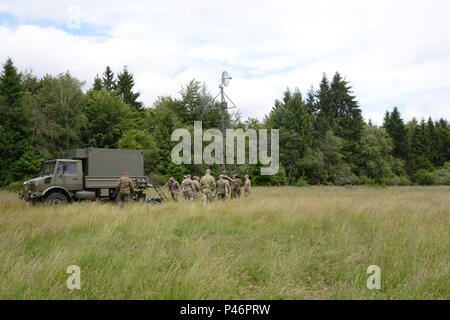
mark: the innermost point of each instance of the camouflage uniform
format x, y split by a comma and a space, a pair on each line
196, 187
228, 187
222, 188
125, 188
188, 189
247, 186
207, 187
173, 186
236, 188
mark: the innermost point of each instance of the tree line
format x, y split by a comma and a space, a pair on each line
324, 139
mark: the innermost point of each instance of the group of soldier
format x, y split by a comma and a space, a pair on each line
208, 187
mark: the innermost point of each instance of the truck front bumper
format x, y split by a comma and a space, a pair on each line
29, 195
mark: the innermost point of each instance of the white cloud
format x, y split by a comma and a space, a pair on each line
393, 52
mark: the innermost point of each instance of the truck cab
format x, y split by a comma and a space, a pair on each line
56, 183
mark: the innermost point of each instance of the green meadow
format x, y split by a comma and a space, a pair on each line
280, 243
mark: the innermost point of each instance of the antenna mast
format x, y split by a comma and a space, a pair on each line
225, 81
223, 107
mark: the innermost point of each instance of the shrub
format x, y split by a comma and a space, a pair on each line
15, 186
425, 178
403, 181
364, 180
349, 179
301, 182
396, 181
442, 175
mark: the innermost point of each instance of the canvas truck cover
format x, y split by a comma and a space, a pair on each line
103, 167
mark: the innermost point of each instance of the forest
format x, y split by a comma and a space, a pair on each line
324, 139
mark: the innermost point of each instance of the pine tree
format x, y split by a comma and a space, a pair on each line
299, 117
311, 101
325, 116
97, 83
433, 147
442, 131
349, 122
420, 146
345, 119
395, 127
292, 117
10, 85
30, 82
125, 84
13, 121
108, 81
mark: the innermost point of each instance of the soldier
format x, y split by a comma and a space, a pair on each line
227, 182
125, 188
183, 188
207, 187
236, 187
196, 182
173, 186
222, 188
247, 185
188, 188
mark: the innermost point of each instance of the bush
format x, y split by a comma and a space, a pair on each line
396, 181
425, 178
301, 182
15, 186
364, 180
349, 179
278, 179
442, 175
403, 181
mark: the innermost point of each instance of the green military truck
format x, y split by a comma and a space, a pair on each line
86, 174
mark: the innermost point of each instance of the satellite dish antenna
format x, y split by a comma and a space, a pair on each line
226, 78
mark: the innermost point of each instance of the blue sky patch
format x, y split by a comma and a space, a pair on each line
81, 29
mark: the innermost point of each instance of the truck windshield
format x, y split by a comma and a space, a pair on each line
47, 168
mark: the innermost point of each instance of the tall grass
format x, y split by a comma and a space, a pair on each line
281, 243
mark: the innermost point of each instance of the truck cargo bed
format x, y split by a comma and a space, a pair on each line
103, 165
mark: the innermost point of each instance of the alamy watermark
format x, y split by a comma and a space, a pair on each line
374, 280
74, 280
212, 153
73, 17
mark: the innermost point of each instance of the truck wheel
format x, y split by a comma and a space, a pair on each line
56, 198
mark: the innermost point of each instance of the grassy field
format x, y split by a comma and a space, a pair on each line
283, 243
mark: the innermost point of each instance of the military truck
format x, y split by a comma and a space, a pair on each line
86, 174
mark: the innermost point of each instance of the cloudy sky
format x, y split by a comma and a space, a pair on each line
394, 53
